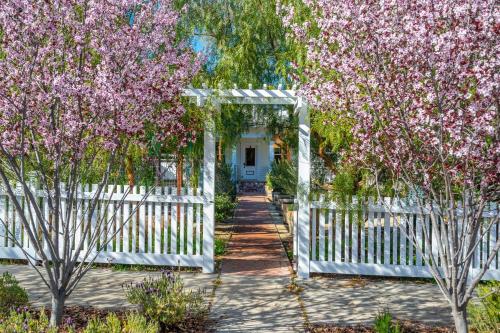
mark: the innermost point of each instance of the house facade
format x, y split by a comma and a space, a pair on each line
251, 157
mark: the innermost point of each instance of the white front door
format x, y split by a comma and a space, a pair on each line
249, 162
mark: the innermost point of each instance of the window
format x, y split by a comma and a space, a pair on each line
277, 154
250, 156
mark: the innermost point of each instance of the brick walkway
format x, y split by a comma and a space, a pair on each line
252, 296
255, 247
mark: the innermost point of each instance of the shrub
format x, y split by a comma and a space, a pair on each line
283, 177
383, 323
24, 321
165, 300
223, 182
224, 207
484, 314
11, 294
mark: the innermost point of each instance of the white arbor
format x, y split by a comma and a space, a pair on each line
251, 96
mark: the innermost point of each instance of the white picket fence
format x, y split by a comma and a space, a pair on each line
166, 229
366, 240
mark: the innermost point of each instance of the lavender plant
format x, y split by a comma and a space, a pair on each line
165, 300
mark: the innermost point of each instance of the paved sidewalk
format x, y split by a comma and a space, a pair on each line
100, 288
352, 301
253, 296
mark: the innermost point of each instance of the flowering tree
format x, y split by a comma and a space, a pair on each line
80, 79
420, 82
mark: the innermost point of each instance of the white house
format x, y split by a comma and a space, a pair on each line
251, 157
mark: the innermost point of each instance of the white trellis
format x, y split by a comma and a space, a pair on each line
264, 96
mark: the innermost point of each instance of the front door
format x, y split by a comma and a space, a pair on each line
249, 162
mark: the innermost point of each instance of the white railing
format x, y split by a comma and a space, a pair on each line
166, 229
369, 240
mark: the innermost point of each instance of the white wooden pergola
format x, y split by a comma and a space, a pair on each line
235, 96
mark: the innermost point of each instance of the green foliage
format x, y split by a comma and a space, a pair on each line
225, 193
383, 323
245, 43
133, 323
112, 324
484, 314
283, 177
136, 323
220, 246
223, 182
245, 40
224, 207
11, 294
24, 321
350, 181
165, 301
334, 127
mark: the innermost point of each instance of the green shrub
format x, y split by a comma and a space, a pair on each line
283, 177
484, 313
11, 294
383, 323
24, 321
223, 182
224, 207
164, 300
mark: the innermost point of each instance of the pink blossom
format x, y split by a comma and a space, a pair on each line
73, 73
419, 78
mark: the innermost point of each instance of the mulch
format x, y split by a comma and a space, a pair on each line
406, 327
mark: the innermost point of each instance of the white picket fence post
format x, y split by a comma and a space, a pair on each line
209, 195
304, 173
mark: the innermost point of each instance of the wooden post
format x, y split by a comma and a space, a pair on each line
209, 194
304, 171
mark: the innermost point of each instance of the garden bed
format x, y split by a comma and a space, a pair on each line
76, 319
406, 327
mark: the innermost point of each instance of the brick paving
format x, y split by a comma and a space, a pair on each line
255, 247
252, 296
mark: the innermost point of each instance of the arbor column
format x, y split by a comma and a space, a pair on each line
209, 193
304, 173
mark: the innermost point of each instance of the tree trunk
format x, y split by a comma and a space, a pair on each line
179, 174
57, 309
460, 319
129, 169
219, 151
